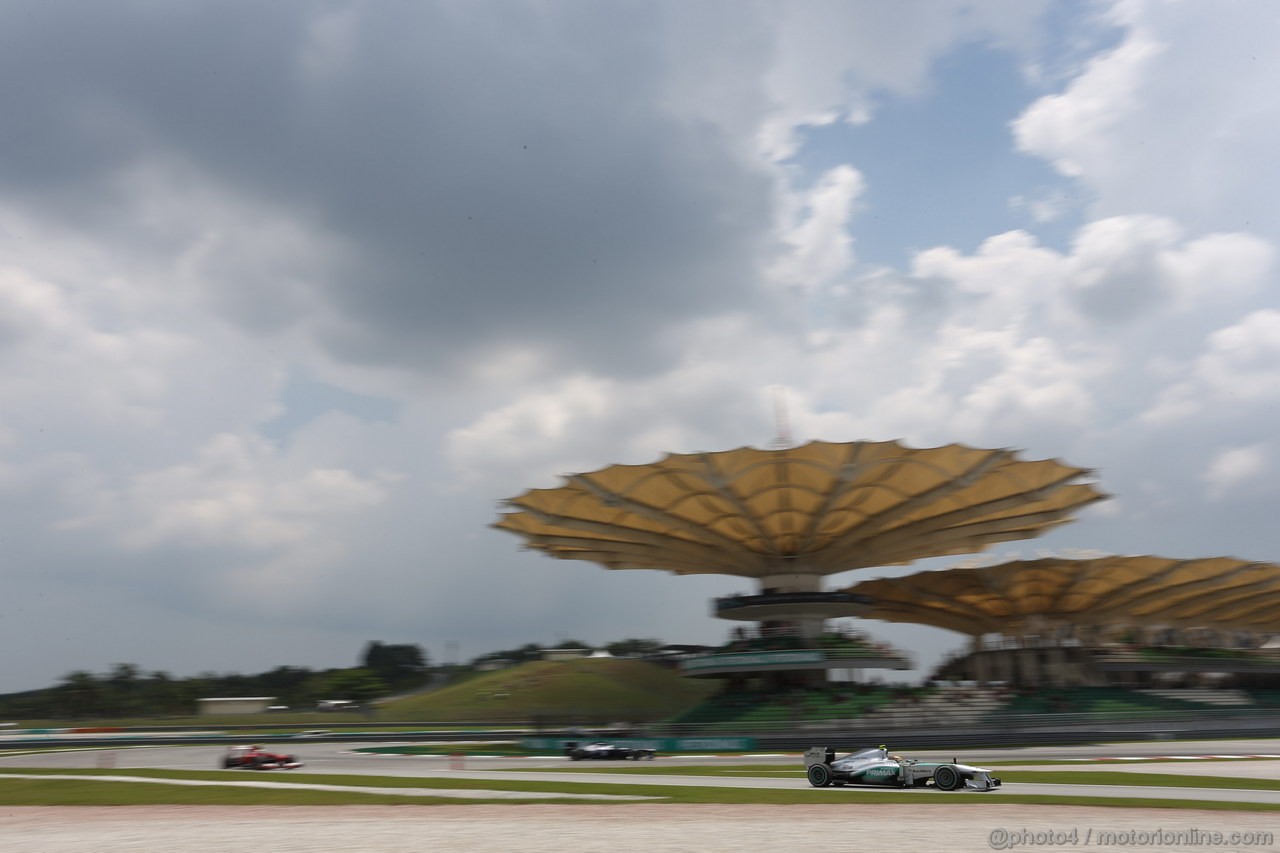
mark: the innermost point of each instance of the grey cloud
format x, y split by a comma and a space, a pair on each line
483, 173
1124, 293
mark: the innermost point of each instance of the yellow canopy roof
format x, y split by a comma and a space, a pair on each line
1219, 592
821, 508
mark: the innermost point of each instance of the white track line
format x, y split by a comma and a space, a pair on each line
452, 793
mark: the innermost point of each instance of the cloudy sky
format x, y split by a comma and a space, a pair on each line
293, 293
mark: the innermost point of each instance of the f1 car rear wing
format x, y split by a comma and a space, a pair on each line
819, 755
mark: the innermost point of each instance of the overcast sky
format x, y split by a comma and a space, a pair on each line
293, 293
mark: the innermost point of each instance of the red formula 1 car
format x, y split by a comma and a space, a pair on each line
257, 758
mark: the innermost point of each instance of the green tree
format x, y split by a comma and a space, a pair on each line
524, 654
80, 694
358, 685
126, 690
633, 648
163, 695
396, 664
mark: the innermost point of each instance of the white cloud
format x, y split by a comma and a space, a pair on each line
47, 331
1119, 269
1044, 205
816, 231
1005, 344
1235, 468
1180, 119
1220, 268
1134, 264
1039, 390
1240, 368
1012, 270
1243, 361
505, 437
1071, 129
833, 58
237, 493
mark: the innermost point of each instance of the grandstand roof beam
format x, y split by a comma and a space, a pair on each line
697, 531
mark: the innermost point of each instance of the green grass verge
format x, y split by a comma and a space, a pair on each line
36, 792
74, 792
232, 776
1111, 762
247, 726
1163, 780
507, 748
311, 719
44, 750
1070, 777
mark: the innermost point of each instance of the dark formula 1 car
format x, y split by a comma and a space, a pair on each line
256, 758
877, 767
603, 750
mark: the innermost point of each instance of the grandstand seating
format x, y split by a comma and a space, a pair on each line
1096, 700
754, 710
1205, 696
863, 707
939, 707
782, 642
1161, 653
844, 705
1265, 698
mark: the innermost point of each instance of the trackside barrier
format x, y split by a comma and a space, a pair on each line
998, 721
682, 744
95, 735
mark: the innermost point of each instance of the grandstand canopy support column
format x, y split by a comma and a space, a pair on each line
808, 627
791, 582
982, 667
811, 629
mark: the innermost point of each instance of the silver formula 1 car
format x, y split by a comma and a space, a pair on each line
602, 750
877, 767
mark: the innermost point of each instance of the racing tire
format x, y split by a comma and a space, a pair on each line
227, 764
819, 775
576, 755
947, 778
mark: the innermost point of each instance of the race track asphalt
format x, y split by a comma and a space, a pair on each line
339, 759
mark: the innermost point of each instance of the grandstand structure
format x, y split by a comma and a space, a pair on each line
792, 519
1112, 620
788, 520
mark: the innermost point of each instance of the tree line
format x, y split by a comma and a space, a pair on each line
384, 669
127, 691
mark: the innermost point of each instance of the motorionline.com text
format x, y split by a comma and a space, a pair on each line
1003, 838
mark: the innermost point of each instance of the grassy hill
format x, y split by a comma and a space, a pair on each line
591, 690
